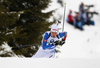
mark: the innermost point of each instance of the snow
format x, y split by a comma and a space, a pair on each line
81, 50
80, 44
7, 49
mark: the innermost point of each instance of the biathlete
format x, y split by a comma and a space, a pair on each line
49, 43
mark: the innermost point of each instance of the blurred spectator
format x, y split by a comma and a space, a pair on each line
87, 18
70, 18
82, 13
81, 7
77, 23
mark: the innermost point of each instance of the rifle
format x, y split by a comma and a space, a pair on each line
93, 13
89, 6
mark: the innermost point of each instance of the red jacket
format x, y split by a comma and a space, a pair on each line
70, 18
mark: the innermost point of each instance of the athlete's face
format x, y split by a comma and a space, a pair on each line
53, 34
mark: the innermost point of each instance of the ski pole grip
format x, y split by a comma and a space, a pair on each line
65, 3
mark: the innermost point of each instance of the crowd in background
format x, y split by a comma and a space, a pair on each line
82, 17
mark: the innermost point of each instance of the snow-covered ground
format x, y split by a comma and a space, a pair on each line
79, 44
82, 48
82, 44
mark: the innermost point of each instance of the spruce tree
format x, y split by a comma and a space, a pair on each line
22, 22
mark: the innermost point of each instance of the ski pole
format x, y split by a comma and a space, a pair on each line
64, 17
23, 46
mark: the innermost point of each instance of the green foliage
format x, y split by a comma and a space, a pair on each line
22, 22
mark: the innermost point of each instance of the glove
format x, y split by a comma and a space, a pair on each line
56, 43
62, 42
